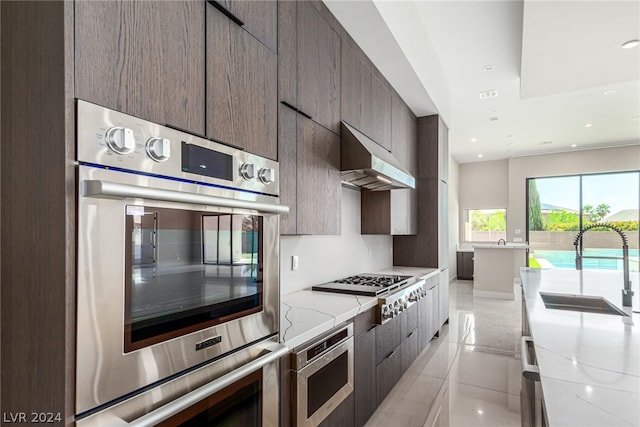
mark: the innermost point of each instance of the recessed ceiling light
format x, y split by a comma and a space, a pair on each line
510, 136
609, 92
509, 143
490, 67
630, 44
488, 94
479, 156
574, 145
546, 142
494, 119
480, 411
588, 125
474, 139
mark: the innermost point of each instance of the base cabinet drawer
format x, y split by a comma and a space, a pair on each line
342, 416
388, 372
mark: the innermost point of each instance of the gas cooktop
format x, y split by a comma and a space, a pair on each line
365, 284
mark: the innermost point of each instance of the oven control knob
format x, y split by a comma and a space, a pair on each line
386, 313
267, 175
159, 149
405, 305
121, 140
248, 171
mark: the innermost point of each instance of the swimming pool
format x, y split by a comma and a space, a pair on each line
567, 259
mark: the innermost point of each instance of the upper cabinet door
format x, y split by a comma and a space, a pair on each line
142, 58
241, 87
318, 68
288, 52
318, 179
258, 17
380, 113
350, 92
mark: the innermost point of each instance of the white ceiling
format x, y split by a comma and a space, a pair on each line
553, 61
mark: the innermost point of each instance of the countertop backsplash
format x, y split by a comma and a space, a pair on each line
325, 258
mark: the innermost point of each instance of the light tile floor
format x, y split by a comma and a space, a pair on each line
472, 371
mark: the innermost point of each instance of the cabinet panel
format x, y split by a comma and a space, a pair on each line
124, 49
318, 191
260, 18
288, 160
288, 52
286, 394
319, 58
464, 265
409, 350
366, 99
241, 87
388, 338
424, 323
364, 376
403, 134
443, 298
380, 113
342, 415
388, 372
350, 83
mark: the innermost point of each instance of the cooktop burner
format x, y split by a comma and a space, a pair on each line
365, 284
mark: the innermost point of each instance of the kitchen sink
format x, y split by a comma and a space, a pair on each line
584, 303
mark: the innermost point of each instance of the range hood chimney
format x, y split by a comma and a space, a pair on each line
366, 164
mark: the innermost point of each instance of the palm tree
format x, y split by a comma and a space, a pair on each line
587, 211
602, 210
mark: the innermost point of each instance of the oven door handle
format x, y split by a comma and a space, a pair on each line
106, 189
180, 404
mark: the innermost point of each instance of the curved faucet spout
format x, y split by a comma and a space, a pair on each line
627, 293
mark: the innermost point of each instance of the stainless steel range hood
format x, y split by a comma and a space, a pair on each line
366, 164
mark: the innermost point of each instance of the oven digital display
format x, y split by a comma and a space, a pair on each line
329, 342
202, 161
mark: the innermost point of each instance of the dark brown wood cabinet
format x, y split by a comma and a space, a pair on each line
364, 382
366, 97
465, 265
241, 87
143, 58
259, 18
342, 416
318, 76
395, 212
388, 372
409, 334
429, 247
310, 176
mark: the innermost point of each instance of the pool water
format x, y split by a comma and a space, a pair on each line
567, 259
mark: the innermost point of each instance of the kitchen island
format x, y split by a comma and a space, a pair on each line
496, 267
589, 363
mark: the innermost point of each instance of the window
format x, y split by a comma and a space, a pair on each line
485, 225
559, 207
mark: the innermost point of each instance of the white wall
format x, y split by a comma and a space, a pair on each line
326, 258
483, 185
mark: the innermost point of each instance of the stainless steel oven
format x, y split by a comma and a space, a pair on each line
239, 390
322, 375
178, 245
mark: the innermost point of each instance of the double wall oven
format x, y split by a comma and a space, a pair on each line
178, 289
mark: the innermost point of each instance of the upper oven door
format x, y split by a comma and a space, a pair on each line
164, 284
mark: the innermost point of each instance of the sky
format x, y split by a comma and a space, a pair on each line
619, 190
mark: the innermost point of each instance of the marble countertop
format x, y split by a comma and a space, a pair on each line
589, 363
496, 246
306, 314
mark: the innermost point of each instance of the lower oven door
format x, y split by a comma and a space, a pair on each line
321, 385
167, 280
240, 390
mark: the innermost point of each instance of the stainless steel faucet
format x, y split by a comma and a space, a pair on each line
627, 293
504, 242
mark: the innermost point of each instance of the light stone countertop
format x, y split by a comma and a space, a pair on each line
589, 363
307, 314
509, 245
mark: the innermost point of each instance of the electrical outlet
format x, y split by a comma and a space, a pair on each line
517, 240
518, 232
294, 263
